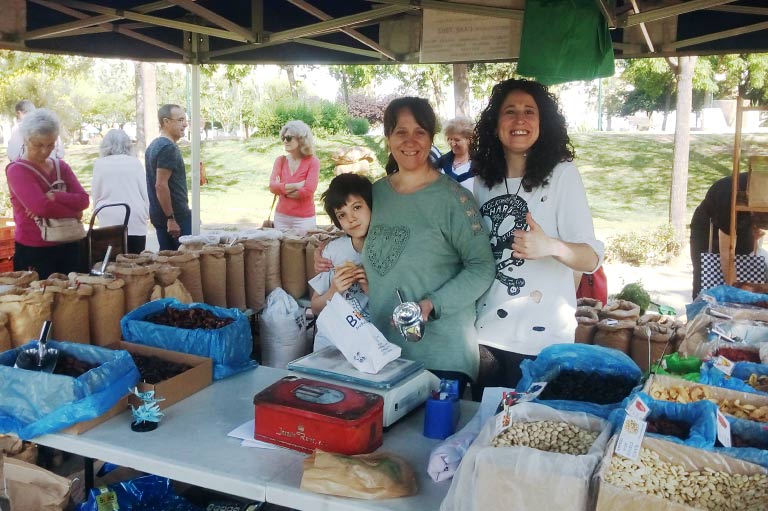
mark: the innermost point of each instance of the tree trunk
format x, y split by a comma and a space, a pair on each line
461, 89
345, 87
291, 81
667, 101
146, 105
677, 202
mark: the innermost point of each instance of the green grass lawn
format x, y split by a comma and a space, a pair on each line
627, 176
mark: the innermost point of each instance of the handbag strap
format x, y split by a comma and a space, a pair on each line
51, 186
272, 207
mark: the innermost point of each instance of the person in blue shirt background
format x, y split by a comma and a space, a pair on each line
457, 162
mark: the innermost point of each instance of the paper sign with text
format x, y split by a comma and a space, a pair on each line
631, 438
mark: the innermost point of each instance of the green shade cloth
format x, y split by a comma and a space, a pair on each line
565, 40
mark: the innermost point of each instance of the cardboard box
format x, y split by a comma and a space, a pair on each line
82, 427
180, 386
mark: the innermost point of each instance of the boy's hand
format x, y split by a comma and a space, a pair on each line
362, 279
344, 278
322, 264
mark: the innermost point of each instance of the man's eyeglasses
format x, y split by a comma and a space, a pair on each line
286, 138
182, 120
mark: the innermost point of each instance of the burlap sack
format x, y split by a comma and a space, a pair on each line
235, 256
141, 259
293, 271
272, 277
139, 281
612, 333
105, 307
359, 167
168, 284
27, 309
586, 324
5, 334
69, 310
18, 278
189, 263
594, 303
653, 333
213, 271
309, 256
33, 488
621, 310
255, 276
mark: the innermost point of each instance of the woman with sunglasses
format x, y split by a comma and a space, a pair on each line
294, 179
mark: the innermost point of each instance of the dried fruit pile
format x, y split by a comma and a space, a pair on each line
188, 318
590, 387
550, 436
702, 489
664, 426
67, 365
154, 370
758, 382
737, 355
735, 407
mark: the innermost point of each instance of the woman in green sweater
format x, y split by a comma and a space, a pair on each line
426, 238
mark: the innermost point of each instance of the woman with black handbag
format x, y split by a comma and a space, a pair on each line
47, 199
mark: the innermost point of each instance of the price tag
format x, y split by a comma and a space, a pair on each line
724, 365
631, 438
723, 430
107, 501
534, 390
611, 322
638, 409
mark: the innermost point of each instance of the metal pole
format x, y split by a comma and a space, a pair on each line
194, 130
599, 104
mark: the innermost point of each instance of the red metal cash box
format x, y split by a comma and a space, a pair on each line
305, 415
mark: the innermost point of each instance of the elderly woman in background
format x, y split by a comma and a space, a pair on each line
294, 179
426, 239
457, 163
534, 205
118, 177
43, 187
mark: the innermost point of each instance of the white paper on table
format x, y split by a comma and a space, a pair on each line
245, 433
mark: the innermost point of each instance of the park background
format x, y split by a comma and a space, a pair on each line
622, 129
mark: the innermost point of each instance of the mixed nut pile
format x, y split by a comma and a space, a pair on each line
551, 436
735, 407
704, 489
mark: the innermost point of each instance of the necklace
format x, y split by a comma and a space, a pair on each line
457, 164
506, 185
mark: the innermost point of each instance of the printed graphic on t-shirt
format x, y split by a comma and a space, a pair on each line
502, 215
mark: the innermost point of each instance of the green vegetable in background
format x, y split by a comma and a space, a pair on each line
636, 294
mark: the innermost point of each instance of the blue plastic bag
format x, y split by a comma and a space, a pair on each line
722, 294
577, 357
34, 403
146, 493
755, 433
701, 416
738, 379
230, 346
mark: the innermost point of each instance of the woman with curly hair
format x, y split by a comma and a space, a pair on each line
294, 179
534, 206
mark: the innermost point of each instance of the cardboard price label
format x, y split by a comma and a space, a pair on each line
509, 399
723, 429
638, 409
724, 365
631, 438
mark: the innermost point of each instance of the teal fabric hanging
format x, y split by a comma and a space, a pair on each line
565, 40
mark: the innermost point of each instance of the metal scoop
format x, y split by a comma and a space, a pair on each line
407, 319
41, 358
102, 272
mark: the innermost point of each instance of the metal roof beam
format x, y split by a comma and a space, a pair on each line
739, 9
354, 34
474, 9
338, 23
216, 19
629, 19
338, 47
608, 8
715, 36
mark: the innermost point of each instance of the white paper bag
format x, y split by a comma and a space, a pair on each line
359, 341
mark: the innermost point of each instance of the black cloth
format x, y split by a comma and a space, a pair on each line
62, 258
445, 163
716, 209
136, 244
163, 153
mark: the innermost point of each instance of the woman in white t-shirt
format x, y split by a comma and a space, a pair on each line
534, 206
118, 177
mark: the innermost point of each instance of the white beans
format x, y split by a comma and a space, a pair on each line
705, 489
551, 436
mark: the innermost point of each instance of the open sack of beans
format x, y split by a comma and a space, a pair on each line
692, 424
745, 377
223, 335
85, 383
673, 477
535, 457
580, 377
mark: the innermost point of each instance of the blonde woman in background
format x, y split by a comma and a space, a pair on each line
294, 179
457, 163
118, 177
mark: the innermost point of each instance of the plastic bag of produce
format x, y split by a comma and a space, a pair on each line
229, 346
690, 424
614, 375
147, 492
34, 403
282, 326
743, 373
524, 477
378, 475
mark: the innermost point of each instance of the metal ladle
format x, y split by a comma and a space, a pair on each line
102, 272
42, 358
407, 319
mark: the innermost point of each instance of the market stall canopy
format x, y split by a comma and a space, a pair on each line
361, 31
